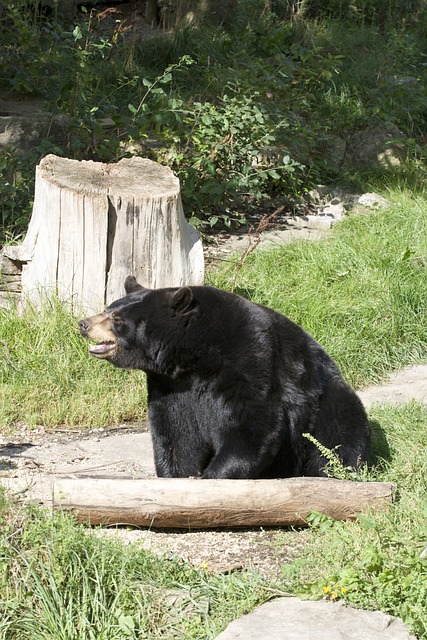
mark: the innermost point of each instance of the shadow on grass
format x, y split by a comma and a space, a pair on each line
246, 292
380, 449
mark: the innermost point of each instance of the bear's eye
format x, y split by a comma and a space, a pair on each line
117, 321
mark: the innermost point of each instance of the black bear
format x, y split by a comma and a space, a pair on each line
232, 385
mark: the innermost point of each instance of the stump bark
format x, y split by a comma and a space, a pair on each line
93, 224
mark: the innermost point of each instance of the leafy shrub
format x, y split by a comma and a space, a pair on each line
16, 186
215, 99
226, 152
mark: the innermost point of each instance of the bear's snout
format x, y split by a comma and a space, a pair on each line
98, 328
84, 327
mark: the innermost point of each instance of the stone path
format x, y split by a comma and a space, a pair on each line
408, 384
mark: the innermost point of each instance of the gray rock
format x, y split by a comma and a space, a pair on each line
23, 126
326, 214
295, 619
322, 195
373, 201
334, 209
316, 222
377, 146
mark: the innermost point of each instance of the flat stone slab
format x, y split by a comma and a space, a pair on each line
405, 385
295, 619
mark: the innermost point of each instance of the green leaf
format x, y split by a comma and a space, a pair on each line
126, 624
77, 33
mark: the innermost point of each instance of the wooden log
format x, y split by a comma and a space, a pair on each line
194, 503
93, 224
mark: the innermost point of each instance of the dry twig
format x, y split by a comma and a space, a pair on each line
254, 237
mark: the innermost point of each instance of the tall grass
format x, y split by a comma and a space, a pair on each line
61, 582
47, 376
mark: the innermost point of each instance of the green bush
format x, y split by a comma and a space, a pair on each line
214, 98
223, 154
16, 189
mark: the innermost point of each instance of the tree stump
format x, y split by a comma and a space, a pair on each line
93, 224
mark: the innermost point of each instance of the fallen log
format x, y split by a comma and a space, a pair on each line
194, 503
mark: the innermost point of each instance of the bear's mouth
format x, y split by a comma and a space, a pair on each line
102, 349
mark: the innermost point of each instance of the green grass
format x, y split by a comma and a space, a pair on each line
60, 582
362, 293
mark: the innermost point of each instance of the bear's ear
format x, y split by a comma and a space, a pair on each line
131, 285
182, 299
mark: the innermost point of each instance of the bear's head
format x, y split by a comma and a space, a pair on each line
135, 332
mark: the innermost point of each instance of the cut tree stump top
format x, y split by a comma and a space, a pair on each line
131, 177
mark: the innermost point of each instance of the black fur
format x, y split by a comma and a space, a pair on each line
233, 385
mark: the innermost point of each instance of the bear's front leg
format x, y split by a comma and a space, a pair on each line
179, 457
240, 459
